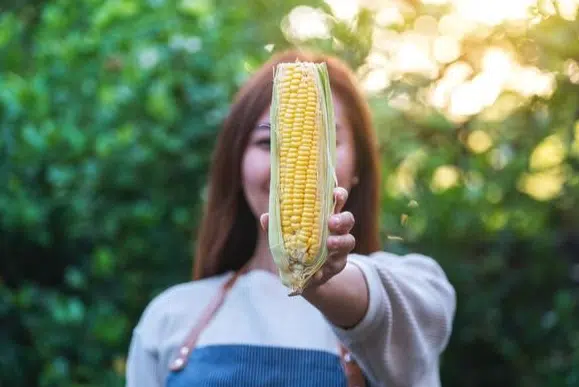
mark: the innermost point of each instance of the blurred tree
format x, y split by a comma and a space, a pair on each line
108, 113
479, 121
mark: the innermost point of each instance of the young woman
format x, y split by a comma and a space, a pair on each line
368, 317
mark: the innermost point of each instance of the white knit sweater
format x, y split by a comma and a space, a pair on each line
260, 336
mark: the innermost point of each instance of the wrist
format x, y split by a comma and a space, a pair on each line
343, 299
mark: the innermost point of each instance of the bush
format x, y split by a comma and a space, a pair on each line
108, 113
493, 196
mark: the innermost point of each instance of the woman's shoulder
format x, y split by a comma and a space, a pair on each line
179, 302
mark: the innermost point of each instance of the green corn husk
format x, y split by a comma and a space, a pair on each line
294, 272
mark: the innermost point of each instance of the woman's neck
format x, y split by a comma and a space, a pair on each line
262, 258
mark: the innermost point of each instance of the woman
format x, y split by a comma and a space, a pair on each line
392, 315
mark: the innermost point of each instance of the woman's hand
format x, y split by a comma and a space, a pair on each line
338, 289
340, 242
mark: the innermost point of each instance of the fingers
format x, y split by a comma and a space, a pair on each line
332, 267
338, 223
340, 197
341, 244
336, 265
341, 223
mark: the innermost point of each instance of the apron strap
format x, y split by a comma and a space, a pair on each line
351, 369
208, 313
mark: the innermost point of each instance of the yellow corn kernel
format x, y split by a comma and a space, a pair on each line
302, 170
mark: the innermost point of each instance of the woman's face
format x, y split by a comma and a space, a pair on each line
255, 166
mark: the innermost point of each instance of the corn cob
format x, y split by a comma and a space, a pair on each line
303, 142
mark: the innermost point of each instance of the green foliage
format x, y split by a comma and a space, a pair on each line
108, 113
501, 218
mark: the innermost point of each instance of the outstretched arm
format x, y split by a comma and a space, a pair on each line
393, 313
407, 321
337, 289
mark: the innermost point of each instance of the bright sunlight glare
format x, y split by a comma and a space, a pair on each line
489, 12
306, 22
412, 55
479, 141
568, 9
389, 15
499, 72
433, 43
473, 96
343, 9
444, 177
544, 185
548, 154
453, 77
493, 12
376, 80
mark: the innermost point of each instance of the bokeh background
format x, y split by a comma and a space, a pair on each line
109, 110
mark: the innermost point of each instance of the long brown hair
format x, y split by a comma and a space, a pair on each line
228, 231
